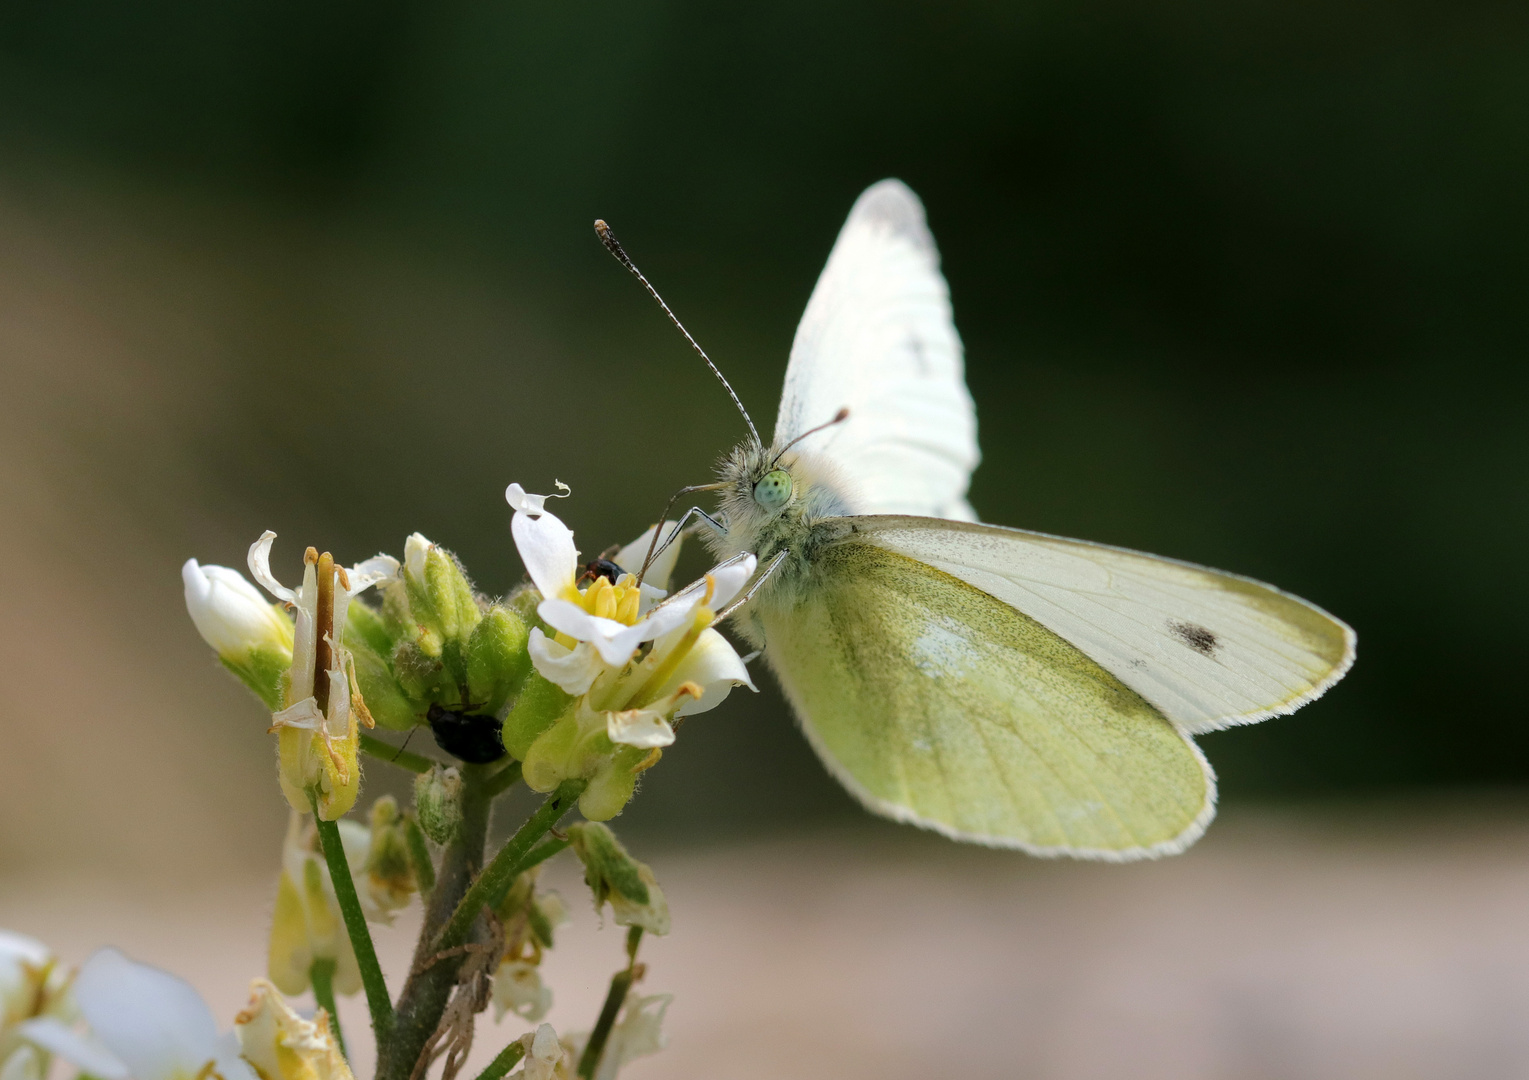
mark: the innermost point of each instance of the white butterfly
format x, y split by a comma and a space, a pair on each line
1005, 687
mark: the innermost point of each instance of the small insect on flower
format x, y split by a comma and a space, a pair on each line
474, 738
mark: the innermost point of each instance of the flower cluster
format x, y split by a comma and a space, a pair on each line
623, 661
575, 683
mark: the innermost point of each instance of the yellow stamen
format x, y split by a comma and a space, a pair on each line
357, 702
648, 762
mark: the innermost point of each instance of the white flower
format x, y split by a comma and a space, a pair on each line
518, 988
601, 626
318, 733
637, 1034
281, 1045
32, 984
546, 1057
145, 1024
307, 923
230, 613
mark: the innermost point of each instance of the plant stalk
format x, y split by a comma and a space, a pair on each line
621, 982
376, 986
494, 883
431, 979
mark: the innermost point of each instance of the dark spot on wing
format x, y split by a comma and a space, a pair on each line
920, 360
1196, 637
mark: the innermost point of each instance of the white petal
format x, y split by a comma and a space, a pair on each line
156, 1023
713, 665
574, 670
641, 728
305, 715
730, 578
526, 503
260, 568
85, 1052
546, 547
630, 557
415, 549
369, 572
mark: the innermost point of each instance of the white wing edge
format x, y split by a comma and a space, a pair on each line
901, 814
1284, 708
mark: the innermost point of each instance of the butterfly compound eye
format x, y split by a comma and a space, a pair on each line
774, 490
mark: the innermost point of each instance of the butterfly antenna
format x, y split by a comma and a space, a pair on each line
613, 245
839, 418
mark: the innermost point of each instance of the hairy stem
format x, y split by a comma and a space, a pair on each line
321, 974
507, 1059
621, 982
431, 979
355, 925
494, 883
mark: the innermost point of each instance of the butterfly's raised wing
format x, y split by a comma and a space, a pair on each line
1208, 649
936, 703
878, 337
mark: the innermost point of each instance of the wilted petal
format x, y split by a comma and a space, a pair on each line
573, 670
518, 988
369, 572
642, 728
305, 715
260, 568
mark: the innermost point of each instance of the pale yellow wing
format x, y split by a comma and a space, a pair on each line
1209, 649
937, 704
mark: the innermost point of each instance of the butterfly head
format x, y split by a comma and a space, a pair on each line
773, 490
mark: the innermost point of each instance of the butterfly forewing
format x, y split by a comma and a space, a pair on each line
879, 339
938, 704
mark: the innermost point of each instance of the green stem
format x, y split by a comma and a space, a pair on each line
393, 755
321, 974
540, 854
508, 1058
355, 925
494, 883
503, 780
432, 976
621, 982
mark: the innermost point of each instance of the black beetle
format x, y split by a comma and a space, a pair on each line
473, 738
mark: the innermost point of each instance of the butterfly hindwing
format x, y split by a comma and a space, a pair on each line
938, 704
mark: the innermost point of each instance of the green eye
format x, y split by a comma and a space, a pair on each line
774, 491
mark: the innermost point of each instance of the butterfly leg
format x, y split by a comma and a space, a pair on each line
763, 576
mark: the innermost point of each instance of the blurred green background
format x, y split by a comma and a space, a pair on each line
1241, 284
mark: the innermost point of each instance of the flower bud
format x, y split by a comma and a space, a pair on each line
281, 1045
390, 882
438, 803
497, 659
536, 709
440, 596
253, 638
613, 875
